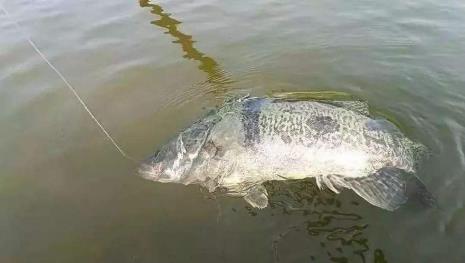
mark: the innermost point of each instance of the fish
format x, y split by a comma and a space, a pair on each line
251, 140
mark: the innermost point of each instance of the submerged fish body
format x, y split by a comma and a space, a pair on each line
252, 140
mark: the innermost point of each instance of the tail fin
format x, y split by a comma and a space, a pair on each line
389, 188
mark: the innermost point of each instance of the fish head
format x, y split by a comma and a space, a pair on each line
158, 167
174, 160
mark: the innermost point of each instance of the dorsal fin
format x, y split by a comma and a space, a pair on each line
360, 107
314, 95
336, 98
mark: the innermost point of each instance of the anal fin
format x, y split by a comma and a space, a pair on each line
389, 188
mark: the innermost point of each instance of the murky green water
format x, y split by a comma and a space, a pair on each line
147, 69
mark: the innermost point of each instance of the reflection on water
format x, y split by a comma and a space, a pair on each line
216, 76
340, 234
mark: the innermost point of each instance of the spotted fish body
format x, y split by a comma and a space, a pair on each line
253, 140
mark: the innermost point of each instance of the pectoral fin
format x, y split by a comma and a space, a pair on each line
257, 196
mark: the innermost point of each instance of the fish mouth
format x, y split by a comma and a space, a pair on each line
150, 171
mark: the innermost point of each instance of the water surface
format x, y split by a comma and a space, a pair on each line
148, 69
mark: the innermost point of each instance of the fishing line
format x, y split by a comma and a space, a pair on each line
68, 85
